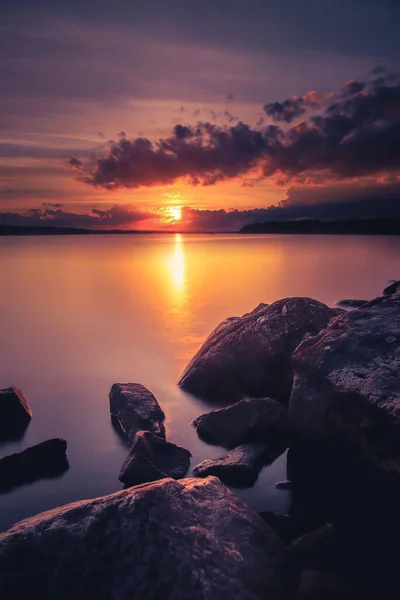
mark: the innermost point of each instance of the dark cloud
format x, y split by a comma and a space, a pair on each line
357, 134
231, 118
292, 108
116, 216
49, 205
76, 163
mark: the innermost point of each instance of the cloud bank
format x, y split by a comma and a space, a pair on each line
353, 133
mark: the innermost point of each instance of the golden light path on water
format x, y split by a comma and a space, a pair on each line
176, 263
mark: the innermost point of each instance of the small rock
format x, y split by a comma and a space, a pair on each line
352, 303
188, 539
250, 420
47, 459
133, 408
152, 458
285, 526
284, 485
392, 288
240, 467
15, 414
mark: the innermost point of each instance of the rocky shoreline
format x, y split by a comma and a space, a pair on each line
296, 375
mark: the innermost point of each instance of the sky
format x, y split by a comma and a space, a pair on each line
198, 116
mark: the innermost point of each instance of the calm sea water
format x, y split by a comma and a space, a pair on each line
80, 313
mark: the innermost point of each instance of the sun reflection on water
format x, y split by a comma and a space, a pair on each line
178, 270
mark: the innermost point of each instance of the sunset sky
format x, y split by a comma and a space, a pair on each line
191, 115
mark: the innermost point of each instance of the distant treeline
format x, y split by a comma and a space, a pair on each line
387, 226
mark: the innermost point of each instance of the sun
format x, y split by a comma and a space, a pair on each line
174, 213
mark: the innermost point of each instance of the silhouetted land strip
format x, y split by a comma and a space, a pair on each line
388, 226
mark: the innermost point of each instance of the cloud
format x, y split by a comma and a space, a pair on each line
118, 215
292, 108
356, 133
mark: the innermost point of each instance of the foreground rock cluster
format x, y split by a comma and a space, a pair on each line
321, 382
168, 539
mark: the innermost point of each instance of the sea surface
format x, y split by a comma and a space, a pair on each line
79, 313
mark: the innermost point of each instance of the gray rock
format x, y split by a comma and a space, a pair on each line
250, 420
133, 408
152, 458
44, 460
15, 413
347, 383
241, 466
250, 355
169, 539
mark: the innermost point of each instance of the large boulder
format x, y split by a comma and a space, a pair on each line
249, 420
15, 413
347, 384
241, 466
250, 355
47, 459
151, 458
133, 407
169, 539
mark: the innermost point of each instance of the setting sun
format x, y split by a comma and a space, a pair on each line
175, 213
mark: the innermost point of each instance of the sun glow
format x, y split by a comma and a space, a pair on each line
174, 213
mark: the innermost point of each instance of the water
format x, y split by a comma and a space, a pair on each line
80, 313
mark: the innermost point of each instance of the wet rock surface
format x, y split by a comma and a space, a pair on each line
15, 414
170, 539
134, 408
45, 460
347, 384
241, 466
152, 458
249, 420
251, 355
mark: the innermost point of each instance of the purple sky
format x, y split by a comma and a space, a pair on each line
144, 73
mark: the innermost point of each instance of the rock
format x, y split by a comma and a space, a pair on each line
317, 549
15, 414
347, 385
392, 288
352, 303
133, 408
47, 459
286, 528
325, 585
250, 420
241, 466
251, 355
169, 539
284, 485
152, 458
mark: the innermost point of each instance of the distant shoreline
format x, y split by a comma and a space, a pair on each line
384, 226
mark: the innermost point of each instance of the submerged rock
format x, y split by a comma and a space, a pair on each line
47, 459
133, 408
347, 384
15, 413
152, 458
241, 466
169, 539
250, 420
251, 355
